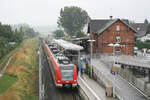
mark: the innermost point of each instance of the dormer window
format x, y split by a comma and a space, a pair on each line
117, 28
138, 28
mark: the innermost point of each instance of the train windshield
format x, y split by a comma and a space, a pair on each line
66, 73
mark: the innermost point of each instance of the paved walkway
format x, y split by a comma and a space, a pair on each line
127, 91
98, 89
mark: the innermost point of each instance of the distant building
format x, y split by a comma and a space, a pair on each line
142, 29
12, 43
112, 31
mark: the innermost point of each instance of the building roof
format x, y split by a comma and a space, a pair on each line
82, 38
68, 45
141, 29
98, 26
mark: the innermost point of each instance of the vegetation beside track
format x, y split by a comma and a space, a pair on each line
6, 81
24, 67
4, 60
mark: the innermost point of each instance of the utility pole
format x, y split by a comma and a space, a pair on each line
127, 40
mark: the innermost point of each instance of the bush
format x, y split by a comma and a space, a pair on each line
88, 69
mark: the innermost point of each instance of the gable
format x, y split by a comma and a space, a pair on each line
112, 23
99, 26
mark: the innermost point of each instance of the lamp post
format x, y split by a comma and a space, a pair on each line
114, 45
91, 44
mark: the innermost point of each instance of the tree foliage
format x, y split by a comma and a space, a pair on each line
27, 31
141, 44
146, 21
10, 35
59, 33
73, 19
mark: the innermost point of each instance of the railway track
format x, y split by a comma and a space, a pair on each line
69, 94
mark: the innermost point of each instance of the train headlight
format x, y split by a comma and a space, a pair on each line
58, 81
75, 80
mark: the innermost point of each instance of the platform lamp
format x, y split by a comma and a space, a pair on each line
91, 44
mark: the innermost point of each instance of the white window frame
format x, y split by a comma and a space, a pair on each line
118, 39
117, 28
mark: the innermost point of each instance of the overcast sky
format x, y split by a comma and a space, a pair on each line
46, 12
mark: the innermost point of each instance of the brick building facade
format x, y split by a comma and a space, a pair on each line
114, 31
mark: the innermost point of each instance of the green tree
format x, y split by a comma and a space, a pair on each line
73, 19
59, 33
142, 45
18, 36
6, 31
80, 33
4, 46
146, 21
26, 30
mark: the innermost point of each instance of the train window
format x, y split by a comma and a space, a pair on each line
67, 72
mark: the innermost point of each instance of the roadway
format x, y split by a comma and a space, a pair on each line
48, 91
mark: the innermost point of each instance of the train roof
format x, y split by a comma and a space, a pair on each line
50, 45
61, 59
59, 55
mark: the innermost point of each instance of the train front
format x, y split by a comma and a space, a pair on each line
68, 75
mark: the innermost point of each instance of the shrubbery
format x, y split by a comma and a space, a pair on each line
141, 44
88, 69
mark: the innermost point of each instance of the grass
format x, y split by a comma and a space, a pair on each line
24, 66
6, 81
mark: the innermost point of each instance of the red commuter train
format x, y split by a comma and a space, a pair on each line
64, 73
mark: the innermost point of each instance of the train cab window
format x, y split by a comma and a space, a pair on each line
67, 72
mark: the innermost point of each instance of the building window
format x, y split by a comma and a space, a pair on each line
118, 50
117, 28
118, 40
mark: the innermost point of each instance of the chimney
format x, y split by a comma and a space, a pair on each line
111, 17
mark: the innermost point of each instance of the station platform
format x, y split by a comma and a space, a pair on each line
95, 88
122, 87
